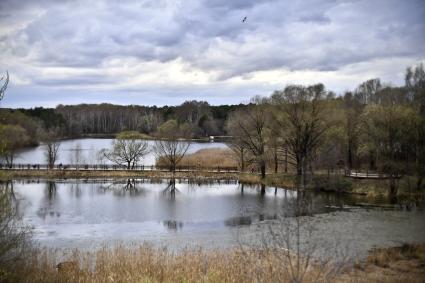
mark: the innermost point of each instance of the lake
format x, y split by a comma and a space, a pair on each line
89, 151
90, 213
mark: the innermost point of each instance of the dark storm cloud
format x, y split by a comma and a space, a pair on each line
206, 35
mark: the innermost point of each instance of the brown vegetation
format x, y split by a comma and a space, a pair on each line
87, 174
206, 158
395, 264
146, 264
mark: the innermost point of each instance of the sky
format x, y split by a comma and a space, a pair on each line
164, 52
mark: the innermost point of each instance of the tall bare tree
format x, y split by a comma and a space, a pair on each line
4, 86
386, 128
51, 144
172, 150
415, 85
170, 147
12, 137
300, 113
249, 126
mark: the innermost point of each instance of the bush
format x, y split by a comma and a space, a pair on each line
332, 183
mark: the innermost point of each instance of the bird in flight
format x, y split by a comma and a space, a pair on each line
244, 19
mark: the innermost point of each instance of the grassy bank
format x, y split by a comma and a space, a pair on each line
147, 264
87, 174
396, 264
340, 184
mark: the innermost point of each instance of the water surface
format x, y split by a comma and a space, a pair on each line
89, 152
87, 214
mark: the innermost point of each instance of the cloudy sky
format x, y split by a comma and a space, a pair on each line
168, 51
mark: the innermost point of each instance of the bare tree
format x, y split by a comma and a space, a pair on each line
170, 147
14, 236
240, 153
249, 127
4, 86
172, 150
301, 115
12, 137
52, 145
386, 128
76, 156
128, 148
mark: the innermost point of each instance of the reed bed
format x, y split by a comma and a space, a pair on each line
207, 158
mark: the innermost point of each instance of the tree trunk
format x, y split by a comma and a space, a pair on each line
350, 157
419, 183
242, 161
393, 188
263, 169
372, 161
286, 160
276, 165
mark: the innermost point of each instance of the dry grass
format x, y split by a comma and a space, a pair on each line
146, 264
272, 180
395, 264
206, 158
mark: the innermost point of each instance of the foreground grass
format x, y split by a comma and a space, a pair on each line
395, 264
147, 264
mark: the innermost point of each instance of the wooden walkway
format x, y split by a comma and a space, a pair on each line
355, 174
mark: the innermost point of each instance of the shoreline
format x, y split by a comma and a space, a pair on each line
368, 188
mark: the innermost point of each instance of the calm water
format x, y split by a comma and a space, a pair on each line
87, 214
89, 151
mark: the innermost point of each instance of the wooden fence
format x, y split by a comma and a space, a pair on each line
113, 167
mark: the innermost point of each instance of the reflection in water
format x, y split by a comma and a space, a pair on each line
173, 224
47, 207
263, 189
238, 221
95, 210
130, 188
171, 189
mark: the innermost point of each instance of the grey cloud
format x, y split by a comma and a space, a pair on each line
294, 35
80, 80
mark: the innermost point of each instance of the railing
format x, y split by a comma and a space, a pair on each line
367, 174
114, 167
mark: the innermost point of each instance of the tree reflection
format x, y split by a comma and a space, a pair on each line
51, 191
173, 224
131, 187
50, 196
238, 221
171, 188
263, 189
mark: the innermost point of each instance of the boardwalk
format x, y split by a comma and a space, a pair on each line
367, 175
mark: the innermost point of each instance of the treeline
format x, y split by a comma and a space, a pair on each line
198, 118
374, 127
